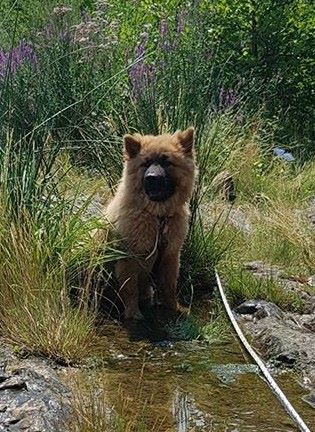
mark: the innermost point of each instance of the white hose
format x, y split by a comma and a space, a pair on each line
272, 383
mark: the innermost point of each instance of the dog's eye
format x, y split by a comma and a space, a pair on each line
146, 164
165, 162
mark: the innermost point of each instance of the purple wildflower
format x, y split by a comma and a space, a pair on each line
180, 21
11, 61
165, 43
47, 32
163, 28
141, 47
227, 98
84, 15
61, 11
65, 37
141, 74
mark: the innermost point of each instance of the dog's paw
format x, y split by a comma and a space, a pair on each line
168, 314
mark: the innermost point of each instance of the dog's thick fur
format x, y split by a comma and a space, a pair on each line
137, 218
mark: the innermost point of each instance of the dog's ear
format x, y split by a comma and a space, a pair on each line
186, 140
132, 145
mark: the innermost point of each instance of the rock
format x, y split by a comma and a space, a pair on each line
259, 268
247, 308
238, 218
310, 399
307, 214
285, 340
308, 321
289, 283
13, 383
253, 266
3, 377
3, 407
227, 373
94, 208
283, 154
311, 279
259, 308
288, 358
223, 184
32, 397
267, 309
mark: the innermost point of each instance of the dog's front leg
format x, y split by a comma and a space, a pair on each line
167, 276
127, 274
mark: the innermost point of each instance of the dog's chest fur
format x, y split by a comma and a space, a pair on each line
144, 231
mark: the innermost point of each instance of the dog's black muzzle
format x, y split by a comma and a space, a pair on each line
158, 185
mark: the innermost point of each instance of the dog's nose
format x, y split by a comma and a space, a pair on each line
153, 181
154, 174
157, 183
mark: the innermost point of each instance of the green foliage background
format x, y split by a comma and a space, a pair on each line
263, 51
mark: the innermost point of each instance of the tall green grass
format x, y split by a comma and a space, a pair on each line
242, 286
274, 199
44, 241
36, 313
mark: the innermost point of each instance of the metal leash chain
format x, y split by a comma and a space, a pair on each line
160, 239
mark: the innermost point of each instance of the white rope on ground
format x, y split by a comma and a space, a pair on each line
272, 383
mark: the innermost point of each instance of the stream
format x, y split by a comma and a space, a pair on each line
192, 386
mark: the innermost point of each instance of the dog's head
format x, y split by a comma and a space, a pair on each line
161, 168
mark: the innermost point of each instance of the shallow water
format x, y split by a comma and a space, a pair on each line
192, 386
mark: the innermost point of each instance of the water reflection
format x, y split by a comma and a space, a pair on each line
185, 412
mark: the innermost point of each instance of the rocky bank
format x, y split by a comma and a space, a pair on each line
32, 395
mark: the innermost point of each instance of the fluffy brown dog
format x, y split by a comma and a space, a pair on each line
150, 211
